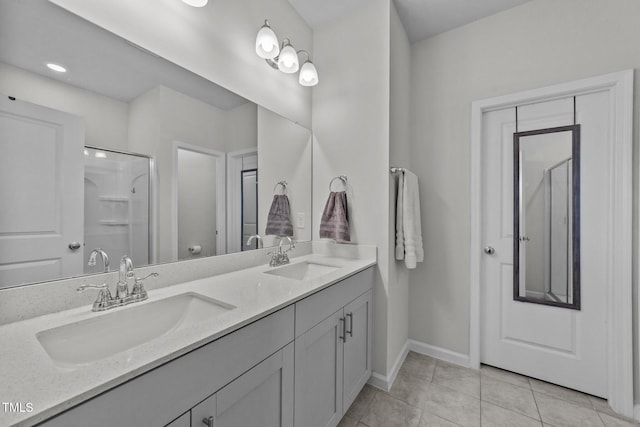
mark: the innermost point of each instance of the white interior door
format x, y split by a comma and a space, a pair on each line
41, 193
559, 345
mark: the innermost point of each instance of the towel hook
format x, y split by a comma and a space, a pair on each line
342, 178
283, 184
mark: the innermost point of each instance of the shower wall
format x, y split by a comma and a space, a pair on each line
116, 206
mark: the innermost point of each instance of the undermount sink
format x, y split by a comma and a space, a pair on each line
303, 270
98, 337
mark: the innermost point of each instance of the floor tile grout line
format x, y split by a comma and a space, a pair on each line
536, 402
600, 417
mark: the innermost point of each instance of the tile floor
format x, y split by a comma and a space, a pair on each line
432, 393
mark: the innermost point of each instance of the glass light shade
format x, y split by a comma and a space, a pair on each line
267, 43
288, 60
196, 3
308, 74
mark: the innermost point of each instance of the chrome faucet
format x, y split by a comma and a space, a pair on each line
126, 271
105, 300
103, 255
257, 238
280, 257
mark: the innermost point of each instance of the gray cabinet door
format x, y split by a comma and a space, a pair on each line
182, 421
318, 374
357, 347
261, 397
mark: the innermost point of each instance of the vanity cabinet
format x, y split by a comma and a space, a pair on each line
333, 357
262, 397
318, 349
157, 397
182, 421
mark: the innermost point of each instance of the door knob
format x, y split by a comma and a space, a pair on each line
489, 250
74, 246
208, 421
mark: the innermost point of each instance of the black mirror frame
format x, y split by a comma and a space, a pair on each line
575, 150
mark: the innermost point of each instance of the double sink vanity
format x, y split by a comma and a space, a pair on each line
231, 349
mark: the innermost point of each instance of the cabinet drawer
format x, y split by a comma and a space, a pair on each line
154, 398
317, 307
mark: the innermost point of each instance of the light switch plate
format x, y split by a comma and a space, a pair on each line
300, 220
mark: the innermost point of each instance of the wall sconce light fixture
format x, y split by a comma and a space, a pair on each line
196, 3
284, 57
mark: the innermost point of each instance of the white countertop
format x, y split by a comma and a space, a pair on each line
28, 375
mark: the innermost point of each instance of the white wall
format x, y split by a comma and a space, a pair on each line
105, 118
217, 42
284, 155
351, 137
399, 156
539, 43
162, 116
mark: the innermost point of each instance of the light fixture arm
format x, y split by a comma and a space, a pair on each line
301, 51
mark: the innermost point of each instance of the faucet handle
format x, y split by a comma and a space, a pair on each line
82, 288
140, 279
138, 291
103, 299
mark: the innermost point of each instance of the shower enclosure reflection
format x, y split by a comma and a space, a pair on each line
546, 201
116, 205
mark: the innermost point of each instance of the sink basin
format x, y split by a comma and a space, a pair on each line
303, 270
98, 337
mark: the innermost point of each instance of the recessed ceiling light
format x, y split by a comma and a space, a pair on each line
101, 155
56, 67
196, 3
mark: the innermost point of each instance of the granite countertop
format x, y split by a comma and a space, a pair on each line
31, 378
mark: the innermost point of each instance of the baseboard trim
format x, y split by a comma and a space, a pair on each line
440, 353
385, 382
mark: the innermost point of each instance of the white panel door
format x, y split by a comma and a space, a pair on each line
41, 189
559, 345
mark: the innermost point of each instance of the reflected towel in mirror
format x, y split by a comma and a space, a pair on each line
279, 218
334, 223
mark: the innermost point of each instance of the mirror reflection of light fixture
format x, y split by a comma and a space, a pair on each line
284, 57
196, 3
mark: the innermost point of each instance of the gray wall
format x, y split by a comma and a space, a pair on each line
539, 43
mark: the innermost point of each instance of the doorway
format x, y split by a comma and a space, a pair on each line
199, 211
544, 341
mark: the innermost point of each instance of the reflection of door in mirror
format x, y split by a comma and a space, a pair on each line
116, 205
41, 192
249, 208
544, 198
200, 208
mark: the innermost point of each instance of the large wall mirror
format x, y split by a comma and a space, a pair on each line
547, 216
128, 153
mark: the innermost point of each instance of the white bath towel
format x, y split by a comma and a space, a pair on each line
399, 222
411, 227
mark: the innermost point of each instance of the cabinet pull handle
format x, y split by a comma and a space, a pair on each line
343, 337
208, 421
350, 331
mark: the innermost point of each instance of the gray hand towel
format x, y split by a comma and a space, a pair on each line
334, 223
279, 218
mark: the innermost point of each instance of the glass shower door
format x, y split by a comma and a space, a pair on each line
116, 202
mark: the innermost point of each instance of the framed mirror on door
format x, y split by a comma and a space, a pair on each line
546, 242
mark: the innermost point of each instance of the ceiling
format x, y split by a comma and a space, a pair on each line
421, 18
33, 32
